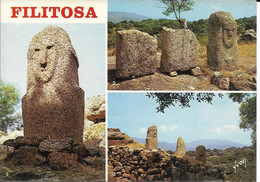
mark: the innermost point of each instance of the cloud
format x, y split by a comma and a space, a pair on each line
228, 128
163, 128
232, 128
173, 127
214, 7
217, 130
167, 129
142, 130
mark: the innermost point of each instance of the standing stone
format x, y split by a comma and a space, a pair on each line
180, 50
53, 106
200, 154
151, 140
183, 23
136, 54
222, 49
180, 149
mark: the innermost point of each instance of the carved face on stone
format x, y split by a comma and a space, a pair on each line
201, 152
229, 33
44, 59
152, 132
49, 50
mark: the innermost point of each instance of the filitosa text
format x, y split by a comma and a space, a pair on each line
53, 12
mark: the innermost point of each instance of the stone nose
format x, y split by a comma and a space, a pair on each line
43, 60
43, 65
230, 33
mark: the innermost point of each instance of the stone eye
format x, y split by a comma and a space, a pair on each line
37, 49
49, 47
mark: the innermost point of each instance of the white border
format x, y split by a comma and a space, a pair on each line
99, 6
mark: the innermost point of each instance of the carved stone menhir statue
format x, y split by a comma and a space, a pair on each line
53, 106
151, 140
222, 49
200, 154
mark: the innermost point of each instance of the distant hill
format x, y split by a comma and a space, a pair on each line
209, 144
116, 17
214, 144
163, 145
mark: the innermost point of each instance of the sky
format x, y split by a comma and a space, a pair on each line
134, 113
88, 41
201, 10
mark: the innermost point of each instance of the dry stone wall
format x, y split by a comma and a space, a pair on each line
146, 165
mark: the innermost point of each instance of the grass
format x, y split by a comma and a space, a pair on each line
227, 160
247, 49
133, 145
246, 59
203, 41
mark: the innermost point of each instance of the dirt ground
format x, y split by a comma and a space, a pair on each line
11, 172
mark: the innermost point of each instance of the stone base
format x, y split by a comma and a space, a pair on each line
58, 154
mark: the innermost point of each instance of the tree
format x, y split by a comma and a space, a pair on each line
247, 105
176, 7
182, 99
247, 112
9, 98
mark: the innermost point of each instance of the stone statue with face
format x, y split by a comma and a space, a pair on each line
200, 154
222, 49
151, 140
51, 58
229, 33
53, 106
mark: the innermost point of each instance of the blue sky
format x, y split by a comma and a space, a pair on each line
133, 113
88, 41
201, 10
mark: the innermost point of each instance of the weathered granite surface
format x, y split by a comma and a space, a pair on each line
222, 49
180, 50
53, 106
135, 54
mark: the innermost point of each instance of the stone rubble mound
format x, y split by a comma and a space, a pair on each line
58, 154
125, 164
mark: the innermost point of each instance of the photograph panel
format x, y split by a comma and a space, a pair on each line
181, 45
181, 136
53, 92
